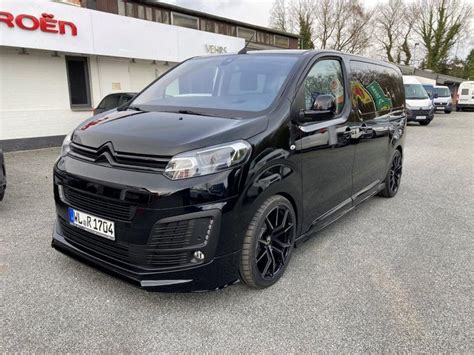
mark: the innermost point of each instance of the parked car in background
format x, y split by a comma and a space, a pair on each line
3, 176
442, 99
219, 167
465, 96
113, 101
420, 107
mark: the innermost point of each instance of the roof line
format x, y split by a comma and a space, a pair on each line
216, 17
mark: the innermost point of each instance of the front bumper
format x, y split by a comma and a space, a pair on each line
464, 105
426, 114
218, 273
444, 107
160, 225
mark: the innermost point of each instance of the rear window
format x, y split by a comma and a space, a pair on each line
465, 92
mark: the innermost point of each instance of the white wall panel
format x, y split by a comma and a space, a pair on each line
100, 33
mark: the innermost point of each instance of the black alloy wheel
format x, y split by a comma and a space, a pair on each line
394, 176
268, 243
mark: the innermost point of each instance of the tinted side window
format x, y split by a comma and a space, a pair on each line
376, 89
325, 77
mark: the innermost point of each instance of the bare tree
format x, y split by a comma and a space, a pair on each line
279, 16
351, 26
337, 24
325, 23
388, 26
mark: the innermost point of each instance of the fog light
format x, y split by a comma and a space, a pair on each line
199, 255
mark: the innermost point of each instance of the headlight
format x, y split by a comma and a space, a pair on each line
207, 160
66, 144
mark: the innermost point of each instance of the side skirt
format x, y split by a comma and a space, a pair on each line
337, 212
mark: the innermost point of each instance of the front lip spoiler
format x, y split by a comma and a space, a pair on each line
210, 276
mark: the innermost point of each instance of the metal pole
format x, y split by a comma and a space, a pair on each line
414, 54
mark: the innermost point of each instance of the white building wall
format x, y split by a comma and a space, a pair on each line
34, 94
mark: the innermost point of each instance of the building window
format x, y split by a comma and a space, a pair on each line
141, 12
161, 16
264, 37
208, 25
184, 21
149, 13
90, 4
281, 41
130, 10
78, 81
246, 33
121, 7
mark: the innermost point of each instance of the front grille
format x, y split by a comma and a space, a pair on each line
140, 255
180, 234
101, 206
106, 155
421, 112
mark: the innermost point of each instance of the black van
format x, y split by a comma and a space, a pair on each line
217, 169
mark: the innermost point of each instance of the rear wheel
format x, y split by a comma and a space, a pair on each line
268, 243
394, 175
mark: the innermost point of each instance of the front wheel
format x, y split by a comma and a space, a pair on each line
425, 123
394, 175
268, 243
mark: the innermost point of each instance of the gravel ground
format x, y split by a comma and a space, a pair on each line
393, 275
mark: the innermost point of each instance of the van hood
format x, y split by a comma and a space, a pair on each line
423, 104
163, 133
442, 99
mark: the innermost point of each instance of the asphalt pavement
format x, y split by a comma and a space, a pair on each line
393, 275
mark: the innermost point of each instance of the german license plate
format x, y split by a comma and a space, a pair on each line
99, 226
420, 117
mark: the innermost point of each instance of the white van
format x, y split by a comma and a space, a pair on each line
442, 98
465, 97
420, 107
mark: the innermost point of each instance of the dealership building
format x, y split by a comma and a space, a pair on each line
58, 59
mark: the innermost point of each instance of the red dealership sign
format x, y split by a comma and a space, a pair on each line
45, 23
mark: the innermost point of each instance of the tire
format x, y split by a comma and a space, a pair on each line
2, 194
394, 175
268, 243
447, 112
425, 123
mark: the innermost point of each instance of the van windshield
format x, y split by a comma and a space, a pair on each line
415, 92
238, 83
442, 92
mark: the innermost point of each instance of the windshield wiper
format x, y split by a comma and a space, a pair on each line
190, 112
134, 108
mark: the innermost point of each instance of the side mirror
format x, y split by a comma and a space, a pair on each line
324, 108
435, 96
